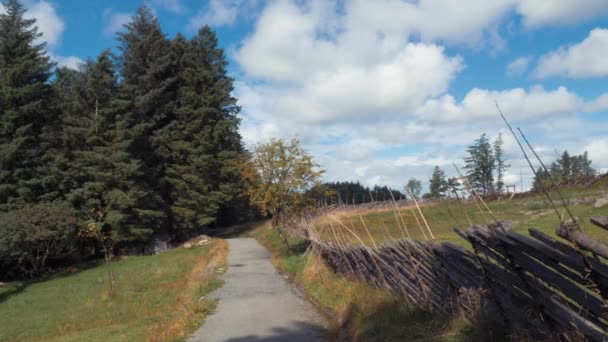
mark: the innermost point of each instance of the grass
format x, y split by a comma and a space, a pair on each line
442, 217
158, 298
360, 312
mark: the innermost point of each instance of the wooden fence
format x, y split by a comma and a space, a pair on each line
533, 284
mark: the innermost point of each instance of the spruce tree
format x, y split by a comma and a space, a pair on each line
565, 164
438, 183
202, 142
501, 166
480, 165
146, 105
25, 106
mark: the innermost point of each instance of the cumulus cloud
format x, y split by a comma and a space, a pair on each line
218, 13
115, 21
519, 66
47, 20
71, 62
597, 152
174, 6
537, 13
584, 59
332, 80
480, 104
598, 104
51, 26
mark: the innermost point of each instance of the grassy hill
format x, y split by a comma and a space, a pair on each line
159, 298
524, 213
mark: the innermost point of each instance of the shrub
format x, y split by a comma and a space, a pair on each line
32, 235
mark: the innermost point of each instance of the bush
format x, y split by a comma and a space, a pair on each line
32, 235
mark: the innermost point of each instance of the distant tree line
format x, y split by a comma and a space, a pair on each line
143, 143
355, 193
566, 170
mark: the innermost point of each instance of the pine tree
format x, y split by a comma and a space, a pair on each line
438, 183
25, 106
480, 165
500, 164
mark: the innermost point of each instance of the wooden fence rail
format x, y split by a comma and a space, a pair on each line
533, 284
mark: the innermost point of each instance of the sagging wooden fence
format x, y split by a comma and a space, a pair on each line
533, 284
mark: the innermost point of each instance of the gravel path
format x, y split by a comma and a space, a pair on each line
256, 304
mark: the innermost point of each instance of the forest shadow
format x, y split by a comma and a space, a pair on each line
396, 321
18, 286
235, 231
301, 332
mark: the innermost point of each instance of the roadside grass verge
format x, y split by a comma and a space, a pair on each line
158, 298
360, 312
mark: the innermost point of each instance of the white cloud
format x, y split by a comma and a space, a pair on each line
357, 92
584, 59
538, 13
480, 104
519, 66
51, 26
114, 21
71, 62
444, 20
335, 79
348, 79
597, 148
219, 13
174, 6
597, 105
49, 23
425, 160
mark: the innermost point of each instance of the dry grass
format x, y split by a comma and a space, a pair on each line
349, 225
191, 301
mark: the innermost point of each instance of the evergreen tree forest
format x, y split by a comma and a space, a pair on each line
566, 170
146, 138
349, 193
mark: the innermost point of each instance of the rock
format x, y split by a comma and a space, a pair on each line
187, 245
601, 202
159, 243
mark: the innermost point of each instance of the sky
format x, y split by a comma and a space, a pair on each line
380, 91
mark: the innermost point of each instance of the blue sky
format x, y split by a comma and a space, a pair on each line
381, 91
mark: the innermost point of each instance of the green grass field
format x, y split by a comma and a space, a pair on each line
534, 211
158, 298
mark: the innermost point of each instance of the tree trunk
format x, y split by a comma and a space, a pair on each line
111, 284
275, 225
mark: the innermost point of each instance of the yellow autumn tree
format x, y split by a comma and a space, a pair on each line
278, 179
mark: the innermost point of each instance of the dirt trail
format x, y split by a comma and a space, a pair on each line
256, 304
